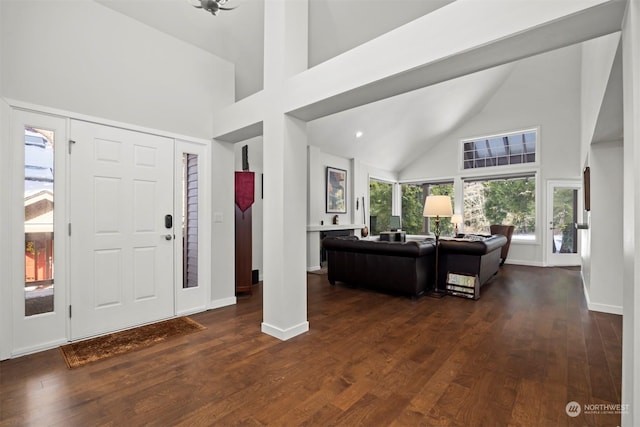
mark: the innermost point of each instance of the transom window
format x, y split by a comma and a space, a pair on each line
500, 150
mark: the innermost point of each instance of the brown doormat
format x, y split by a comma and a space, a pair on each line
82, 352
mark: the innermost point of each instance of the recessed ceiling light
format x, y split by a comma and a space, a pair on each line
359, 134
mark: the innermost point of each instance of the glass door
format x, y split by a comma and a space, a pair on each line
563, 207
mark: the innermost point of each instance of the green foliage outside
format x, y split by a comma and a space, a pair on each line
413, 205
508, 202
564, 218
446, 228
380, 198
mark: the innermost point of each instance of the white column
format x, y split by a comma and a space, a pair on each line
6, 310
285, 175
631, 215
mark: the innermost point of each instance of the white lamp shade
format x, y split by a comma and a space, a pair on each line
456, 219
437, 206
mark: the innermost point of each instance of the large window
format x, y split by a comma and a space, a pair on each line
380, 200
508, 201
500, 150
413, 196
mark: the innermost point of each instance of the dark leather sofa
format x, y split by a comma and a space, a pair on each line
394, 267
480, 256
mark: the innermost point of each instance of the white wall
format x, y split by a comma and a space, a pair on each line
223, 284
318, 162
606, 228
541, 91
631, 216
601, 250
597, 59
255, 165
358, 175
83, 57
5, 214
5, 315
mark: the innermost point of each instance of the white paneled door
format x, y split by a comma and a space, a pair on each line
121, 229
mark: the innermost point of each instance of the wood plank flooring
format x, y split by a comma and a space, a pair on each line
515, 357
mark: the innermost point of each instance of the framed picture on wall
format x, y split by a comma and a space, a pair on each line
336, 190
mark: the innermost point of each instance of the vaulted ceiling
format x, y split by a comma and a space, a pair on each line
394, 130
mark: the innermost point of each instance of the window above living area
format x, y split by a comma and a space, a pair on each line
506, 200
514, 148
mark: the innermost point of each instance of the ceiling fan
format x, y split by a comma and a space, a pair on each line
212, 6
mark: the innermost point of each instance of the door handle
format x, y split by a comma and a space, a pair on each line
168, 237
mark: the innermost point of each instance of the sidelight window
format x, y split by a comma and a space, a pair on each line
190, 220
38, 220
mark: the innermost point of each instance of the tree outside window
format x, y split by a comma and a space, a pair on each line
380, 199
507, 201
413, 196
442, 189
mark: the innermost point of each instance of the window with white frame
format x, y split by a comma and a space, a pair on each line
507, 200
514, 148
380, 205
413, 196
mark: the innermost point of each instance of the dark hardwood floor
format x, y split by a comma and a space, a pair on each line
515, 357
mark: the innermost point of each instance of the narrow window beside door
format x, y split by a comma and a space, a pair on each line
190, 220
38, 220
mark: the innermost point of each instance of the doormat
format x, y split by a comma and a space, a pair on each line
83, 352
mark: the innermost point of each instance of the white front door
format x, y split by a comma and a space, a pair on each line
564, 207
121, 237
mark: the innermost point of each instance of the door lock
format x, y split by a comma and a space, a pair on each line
168, 237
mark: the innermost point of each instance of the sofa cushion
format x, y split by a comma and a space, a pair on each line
473, 247
402, 249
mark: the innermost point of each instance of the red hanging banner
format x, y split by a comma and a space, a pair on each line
245, 183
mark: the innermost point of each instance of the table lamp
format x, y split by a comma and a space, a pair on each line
456, 220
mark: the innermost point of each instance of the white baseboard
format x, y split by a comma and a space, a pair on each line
525, 263
603, 308
285, 334
191, 311
42, 347
314, 268
218, 303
